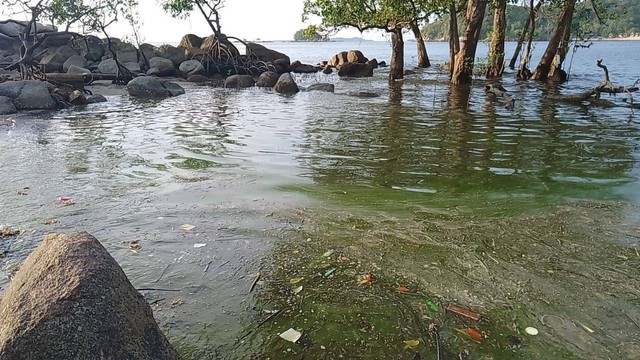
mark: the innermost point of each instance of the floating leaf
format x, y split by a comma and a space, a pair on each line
432, 306
295, 280
364, 279
402, 289
412, 344
328, 253
297, 290
187, 227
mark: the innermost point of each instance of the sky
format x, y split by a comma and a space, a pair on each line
245, 19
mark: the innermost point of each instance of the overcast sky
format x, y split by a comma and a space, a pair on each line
245, 19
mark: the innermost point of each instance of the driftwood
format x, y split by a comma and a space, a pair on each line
79, 79
592, 96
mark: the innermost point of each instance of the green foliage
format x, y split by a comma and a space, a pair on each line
90, 15
367, 14
621, 18
178, 8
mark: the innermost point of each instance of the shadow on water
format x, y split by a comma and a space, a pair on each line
528, 216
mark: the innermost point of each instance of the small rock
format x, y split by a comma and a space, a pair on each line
77, 98
97, 98
267, 79
286, 85
239, 81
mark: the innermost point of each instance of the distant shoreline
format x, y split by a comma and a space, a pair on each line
628, 38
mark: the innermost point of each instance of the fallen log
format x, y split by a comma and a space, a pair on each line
84, 79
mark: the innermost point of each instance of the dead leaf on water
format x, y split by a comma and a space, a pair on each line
134, 245
187, 227
176, 303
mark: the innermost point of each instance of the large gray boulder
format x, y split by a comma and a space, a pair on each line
6, 106
191, 67
71, 300
175, 54
108, 66
151, 88
52, 62
147, 51
134, 67
92, 48
127, 55
355, 70
267, 79
75, 60
164, 66
239, 81
286, 85
28, 95
265, 54
66, 51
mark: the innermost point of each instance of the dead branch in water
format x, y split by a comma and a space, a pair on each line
593, 95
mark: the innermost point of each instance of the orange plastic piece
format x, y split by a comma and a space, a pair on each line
474, 334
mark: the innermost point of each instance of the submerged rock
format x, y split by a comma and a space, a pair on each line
71, 300
267, 79
151, 88
322, 87
96, 98
355, 70
286, 85
239, 81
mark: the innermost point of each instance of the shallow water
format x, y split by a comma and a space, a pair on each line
239, 166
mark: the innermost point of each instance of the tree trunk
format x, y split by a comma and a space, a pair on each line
523, 36
544, 66
496, 55
556, 73
463, 67
523, 72
396, 70
423, 57
454, 37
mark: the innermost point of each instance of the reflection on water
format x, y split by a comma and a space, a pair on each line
225, 161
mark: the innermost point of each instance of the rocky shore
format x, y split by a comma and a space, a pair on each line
71, 62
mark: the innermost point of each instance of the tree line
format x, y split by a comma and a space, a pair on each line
567, 20
623, 20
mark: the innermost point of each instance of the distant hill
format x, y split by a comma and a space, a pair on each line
622, 19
